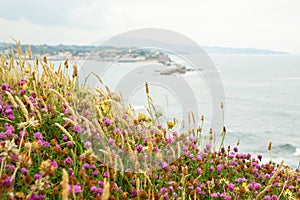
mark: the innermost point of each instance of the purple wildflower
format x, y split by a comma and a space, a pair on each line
139, 148
240, 180
7, 182
76, 188
256, 186
127, 170
69, 143
33, 94
214, 195
10, 167
198, 190
199, 170
37, 176
22, 92
66, 111
105, 175
259, 156
156, 149
235, 149
111, 142
207, 147
165, 166
38, 136
133, 193
125, 116
199, 157
191, 187
71, 172
230, 187
219, 167
11, 117
95, 173
101, 184
274, 197
170, 139
36, 197
107, 121
54, 164
267, 197
99, 191
86, 166
68, 161
22, 81
46, 144
87, 144
76, 129
93, 188
31, 98
23, 133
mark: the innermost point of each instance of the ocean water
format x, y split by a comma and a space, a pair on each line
263, 103
262, 98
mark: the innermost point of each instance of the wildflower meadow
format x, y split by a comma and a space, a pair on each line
59, 140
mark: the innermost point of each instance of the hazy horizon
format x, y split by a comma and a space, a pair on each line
269, 24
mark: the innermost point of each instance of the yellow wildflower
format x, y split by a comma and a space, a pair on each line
170, 124
143, 117
288, 192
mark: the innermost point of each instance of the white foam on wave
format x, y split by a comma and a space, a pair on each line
297, 152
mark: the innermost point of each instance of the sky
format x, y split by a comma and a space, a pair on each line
263, 24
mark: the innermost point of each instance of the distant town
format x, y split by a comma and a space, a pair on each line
118, 54
103, 53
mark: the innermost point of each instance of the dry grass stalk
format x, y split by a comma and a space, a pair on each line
178, 149
65, 185
65, 131
106, 191
11, 99
98, 77
12, 60
69, 120
19, 48
64, 100
32, 108
270, 146
66, 64
23, 108
29, 52
150, 144
87, 122
271, 180
39, 116
107, 89
193, 118
147, 88
75, 71
45, 59
100, 130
